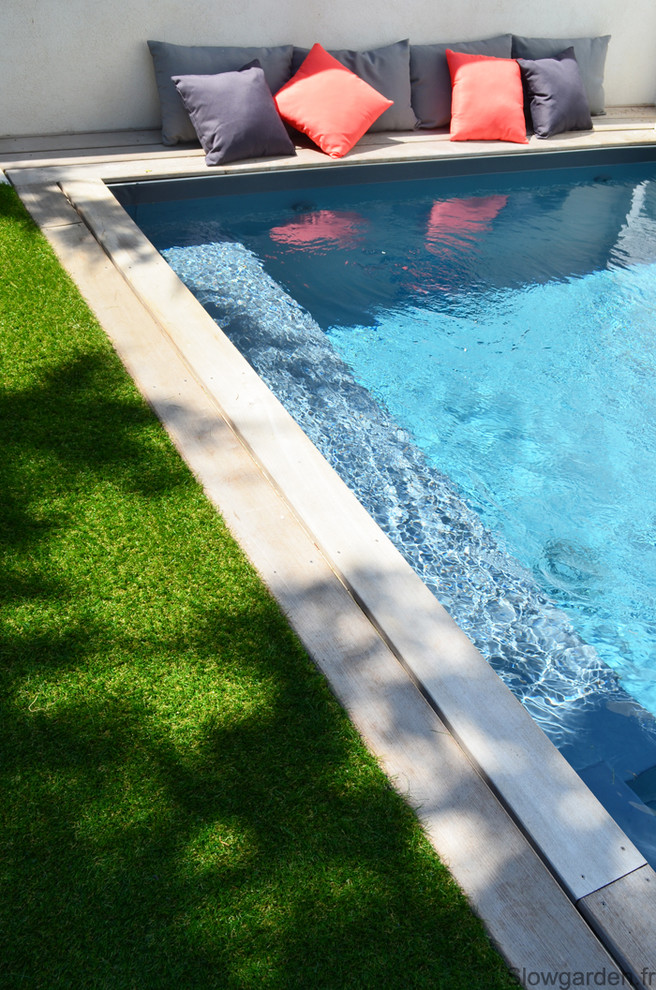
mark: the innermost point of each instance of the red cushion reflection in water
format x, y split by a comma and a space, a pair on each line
319, 229
456, 223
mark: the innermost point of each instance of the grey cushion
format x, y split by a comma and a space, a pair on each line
387, 70
590, 55
556, 96
234, 115
430, 79
182, 60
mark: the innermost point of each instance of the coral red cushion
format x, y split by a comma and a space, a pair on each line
487, 102
329, 103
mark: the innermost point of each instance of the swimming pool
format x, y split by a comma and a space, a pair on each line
394, 364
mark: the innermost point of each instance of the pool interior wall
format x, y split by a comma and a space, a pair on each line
616, 734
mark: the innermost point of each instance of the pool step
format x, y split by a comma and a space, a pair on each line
644, 785
625, 804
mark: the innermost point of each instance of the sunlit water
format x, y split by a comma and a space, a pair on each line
479, 367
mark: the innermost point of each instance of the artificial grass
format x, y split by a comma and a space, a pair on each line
184, 802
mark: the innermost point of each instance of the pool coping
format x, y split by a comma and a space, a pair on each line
449, 733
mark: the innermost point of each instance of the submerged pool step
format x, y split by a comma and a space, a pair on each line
635, 817
644, 785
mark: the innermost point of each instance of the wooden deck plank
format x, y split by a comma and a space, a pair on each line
623, 914
71, 142
47, 205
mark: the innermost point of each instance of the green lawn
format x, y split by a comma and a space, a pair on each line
184, 804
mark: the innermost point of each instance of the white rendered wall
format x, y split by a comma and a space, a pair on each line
82, 65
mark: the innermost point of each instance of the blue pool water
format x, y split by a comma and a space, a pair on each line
478, 362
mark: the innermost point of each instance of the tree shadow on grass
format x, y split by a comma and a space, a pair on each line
83, 417
265, 850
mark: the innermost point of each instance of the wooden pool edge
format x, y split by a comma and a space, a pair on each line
346, 624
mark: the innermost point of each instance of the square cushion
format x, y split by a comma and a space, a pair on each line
555, 93
387, 69
234, 115
197, 60
590, 54
329, 103
487, 99
430, 81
